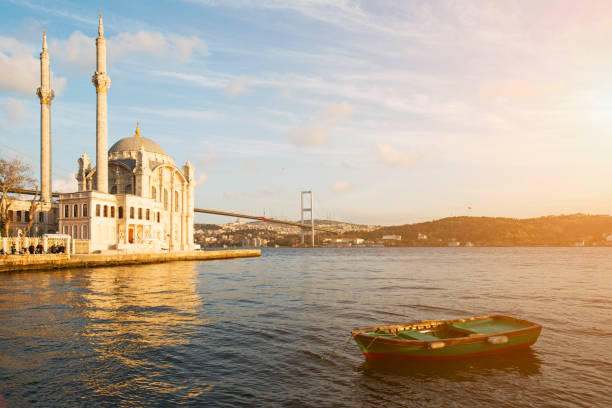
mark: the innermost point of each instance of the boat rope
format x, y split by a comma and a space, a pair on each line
343, 345
372, 342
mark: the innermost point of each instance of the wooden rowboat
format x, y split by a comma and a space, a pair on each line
433, 339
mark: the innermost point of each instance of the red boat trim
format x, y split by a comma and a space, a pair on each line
377, 356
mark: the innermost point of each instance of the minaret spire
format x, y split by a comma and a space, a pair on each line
100, 27
45, 94
101, 82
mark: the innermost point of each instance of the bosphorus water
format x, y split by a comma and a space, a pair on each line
273, 331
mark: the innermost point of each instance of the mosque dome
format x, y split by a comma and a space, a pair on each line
133, 143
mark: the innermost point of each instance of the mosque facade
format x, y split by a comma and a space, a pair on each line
134, 199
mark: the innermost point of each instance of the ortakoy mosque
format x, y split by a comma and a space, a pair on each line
135, 198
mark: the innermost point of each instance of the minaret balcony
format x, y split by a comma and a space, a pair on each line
45, 95
101, 81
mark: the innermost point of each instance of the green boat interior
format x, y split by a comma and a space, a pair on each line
449, 330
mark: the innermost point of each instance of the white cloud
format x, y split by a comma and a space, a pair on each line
202, 178
251, 165
237, 86
340, 186
230, 195
307, 137
211, 159
185, 47
65, 184
143, 42
347, 14
12, 114
210, 80
20, 71
13, 109
392, 157
337, 111
79, 50
268, 192
318, 131
175, 113
156, 44
285, 93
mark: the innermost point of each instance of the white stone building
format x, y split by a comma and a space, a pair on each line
135, 198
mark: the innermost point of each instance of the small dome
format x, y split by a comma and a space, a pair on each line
133, 143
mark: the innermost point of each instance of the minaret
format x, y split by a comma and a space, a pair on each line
101, 82
46, 94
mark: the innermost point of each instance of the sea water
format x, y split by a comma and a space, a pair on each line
274, 331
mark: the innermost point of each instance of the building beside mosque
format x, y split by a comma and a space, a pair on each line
134, 199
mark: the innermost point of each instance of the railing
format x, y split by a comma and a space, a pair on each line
47, 244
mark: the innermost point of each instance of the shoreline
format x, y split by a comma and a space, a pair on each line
15, 263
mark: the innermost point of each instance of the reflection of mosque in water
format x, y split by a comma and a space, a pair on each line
140, 306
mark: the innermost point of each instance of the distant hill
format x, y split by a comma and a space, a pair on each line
549, 230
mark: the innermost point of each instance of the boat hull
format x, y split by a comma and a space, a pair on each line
476, 344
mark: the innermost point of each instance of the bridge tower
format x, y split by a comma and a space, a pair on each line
309, 212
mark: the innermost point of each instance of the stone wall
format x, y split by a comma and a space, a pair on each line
31, 262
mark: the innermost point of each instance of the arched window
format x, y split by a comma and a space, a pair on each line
176, 201
97, 210
120, 211
113, 211
153, 193
75, 232
158, 216
140, 213
131, 212
165, 199
106, 210
84, 210
65, 229
66, 211
84, 232
148, 214
75, 211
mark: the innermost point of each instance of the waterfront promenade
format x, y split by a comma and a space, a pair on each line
10, 263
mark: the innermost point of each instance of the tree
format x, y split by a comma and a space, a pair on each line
34, 206
14, 175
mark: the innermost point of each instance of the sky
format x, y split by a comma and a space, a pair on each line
390, 112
